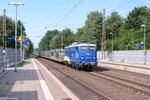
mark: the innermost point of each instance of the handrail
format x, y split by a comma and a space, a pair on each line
4, 64
5, 61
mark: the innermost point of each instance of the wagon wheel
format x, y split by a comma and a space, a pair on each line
77, 66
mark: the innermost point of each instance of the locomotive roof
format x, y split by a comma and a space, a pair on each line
57, 50
83, 44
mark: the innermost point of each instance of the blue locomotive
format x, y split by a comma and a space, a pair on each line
78, 55
81, 55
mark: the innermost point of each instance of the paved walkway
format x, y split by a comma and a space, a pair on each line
33, 82
137, 68
126, 64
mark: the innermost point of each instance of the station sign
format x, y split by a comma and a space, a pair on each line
142, 42
25, 43
9, 38
141, 45
20, 38
26, 47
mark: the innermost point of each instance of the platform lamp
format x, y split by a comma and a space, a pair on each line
112, 47
144, 26
16, 5
21, 45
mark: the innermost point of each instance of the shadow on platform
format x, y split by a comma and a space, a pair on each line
20, 95
11, 82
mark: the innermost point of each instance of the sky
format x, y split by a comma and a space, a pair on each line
43, 15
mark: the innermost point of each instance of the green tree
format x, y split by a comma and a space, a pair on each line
79, 33
56, 42
36, 49
137, 17
45, 41
114, 24
68, 37
62, 39
126, 40
10, 31
127, 32
91, 31
89, 26
97, 31
30, 47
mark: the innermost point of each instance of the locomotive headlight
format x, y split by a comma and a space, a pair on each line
82, 57
94, 57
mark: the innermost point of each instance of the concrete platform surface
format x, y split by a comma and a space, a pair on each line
137, 68
33, 82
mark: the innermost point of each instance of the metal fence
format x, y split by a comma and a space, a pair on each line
9, 58
130, 56
1, 53
1, 59
3, 65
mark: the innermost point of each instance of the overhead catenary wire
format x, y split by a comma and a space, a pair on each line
41, 23
129, 11
46, 27
59, 15
147, 4
123, 4
34, 20
78, 4
126, 11
67, 14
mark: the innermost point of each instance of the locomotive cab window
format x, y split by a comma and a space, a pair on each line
83, 48
92, 48
72, 49
66, 49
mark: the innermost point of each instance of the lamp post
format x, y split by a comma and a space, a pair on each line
24, 39
22, 35
37, 36
62, 39
144, 45
112, 47
16, 4
21, 43
40, 38
144, 34
94, 40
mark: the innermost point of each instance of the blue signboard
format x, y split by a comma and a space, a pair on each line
141, 45
25, 43
9, 38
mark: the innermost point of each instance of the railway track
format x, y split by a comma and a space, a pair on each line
138, 87
96, 94
125, 80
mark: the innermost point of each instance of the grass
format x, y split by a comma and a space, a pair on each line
18, 65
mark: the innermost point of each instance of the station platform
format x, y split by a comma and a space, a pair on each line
33, 82
137, 68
